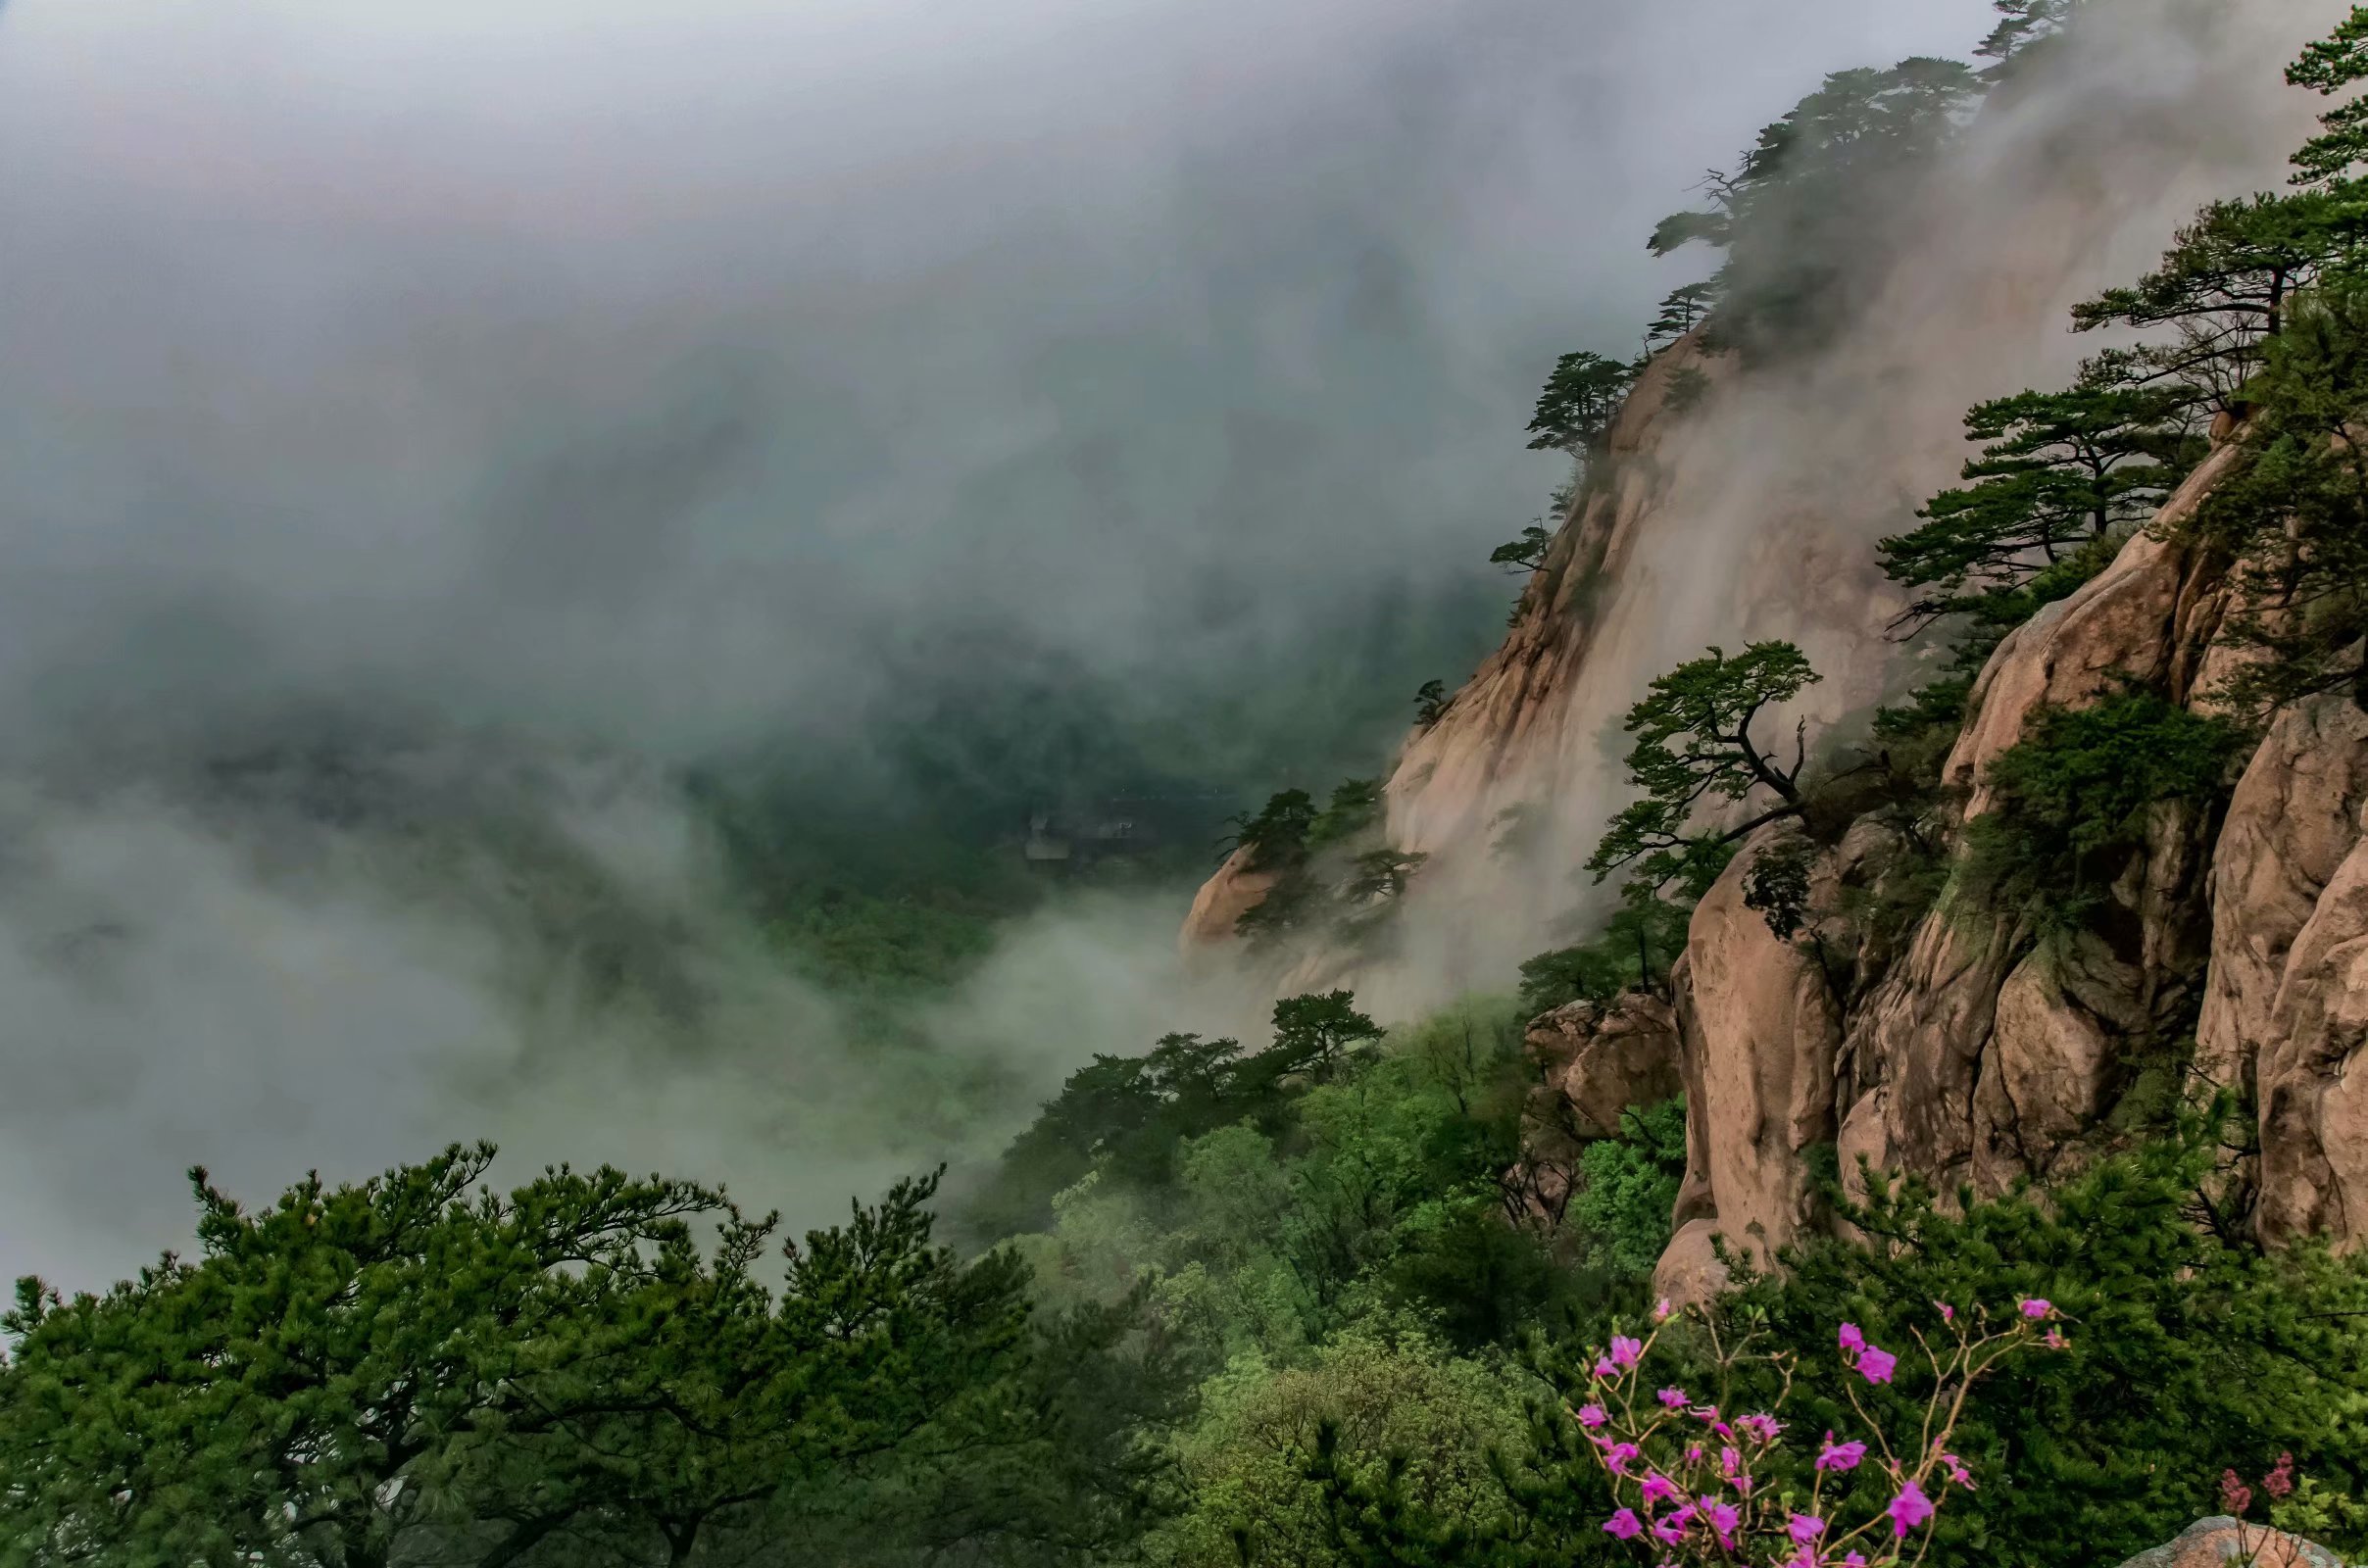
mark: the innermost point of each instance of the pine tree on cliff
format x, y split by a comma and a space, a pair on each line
2339, 61
1576, 407
2022, 25
2057, 471
2296, 514
1681, 313
1694, 749
2227, 284
1795, 214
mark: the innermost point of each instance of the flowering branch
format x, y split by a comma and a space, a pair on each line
1687, 1475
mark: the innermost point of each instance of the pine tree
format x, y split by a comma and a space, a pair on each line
1682, 312
1576, 407
2328, 66
2057, 469
2227, 283
1693, 748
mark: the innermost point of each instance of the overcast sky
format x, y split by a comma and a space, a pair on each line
669, 370
654, 365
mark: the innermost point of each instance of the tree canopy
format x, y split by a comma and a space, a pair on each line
2058, 469
586, 1369
1575, 409
1694, 748
2226, 284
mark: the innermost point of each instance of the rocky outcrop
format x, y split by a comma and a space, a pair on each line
2220, 1540
2147, 617
1597, 1059
1761, 1032
2286, 1006
1593, 1060
1231, 893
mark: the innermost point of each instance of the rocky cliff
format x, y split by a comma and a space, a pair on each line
1944, 1037
1748, 507
1970, 1051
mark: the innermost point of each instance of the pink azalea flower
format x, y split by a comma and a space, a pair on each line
1591, 1416
1839, 1455
1657, 1488
2054, 1340
1908, 1509
1603, 1367
1675, 1398
1805, 1557
1624, 1524
1668, 1531
1730, 1463
1948, 1314
1760, 1428
1804, 1528
1626, 1351
1957, 1471
1722, 1518
1616, 1457
1694, 1454
1660, 1310
2036, 1307
1854, 1560
1876, 1365
1851, 1338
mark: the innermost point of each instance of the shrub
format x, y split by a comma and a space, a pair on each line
1628, 1186
2072, 800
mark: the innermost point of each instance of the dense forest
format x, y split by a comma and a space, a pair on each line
1334, 1296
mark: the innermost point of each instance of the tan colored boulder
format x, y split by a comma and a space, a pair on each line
1761, 1031
2054, 1059
2313, 1070
1595, 1061
1689, 1272
1916, 1045
1600, 1058
2220, 1540
1228, 895
2291, 823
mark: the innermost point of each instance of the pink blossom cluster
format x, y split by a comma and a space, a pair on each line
1688, 1475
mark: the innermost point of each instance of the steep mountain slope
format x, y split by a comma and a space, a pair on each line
1751, 510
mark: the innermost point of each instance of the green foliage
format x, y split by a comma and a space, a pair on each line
2071, 802
1797, 213
1354, 808
2328, 66
1638, 944
1577, 405
2295, 513
2225, 285
1687, 386
1277, 835
1777, 884
1384, 1396
1693, 746
1525, 554
2058, 469
1131, 1115
1627, 1189
401, 1371
1430, 701
2189, 1352
1682, 312
2023, 25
